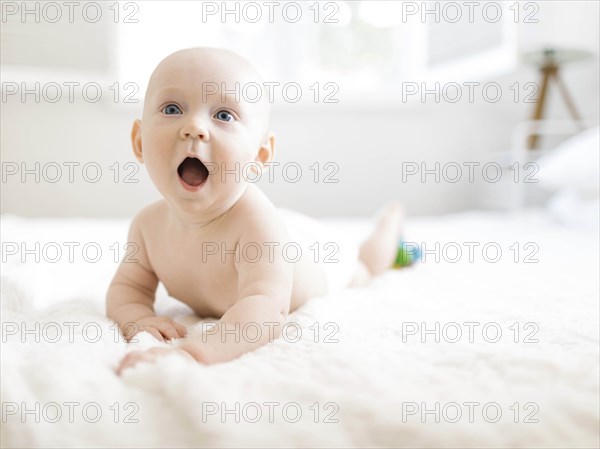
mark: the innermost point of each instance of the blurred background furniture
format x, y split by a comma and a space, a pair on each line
549, 61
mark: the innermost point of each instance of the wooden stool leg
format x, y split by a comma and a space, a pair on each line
538, 112
567, 98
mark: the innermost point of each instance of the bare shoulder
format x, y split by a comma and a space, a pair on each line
257, 216
149, 215
141, 231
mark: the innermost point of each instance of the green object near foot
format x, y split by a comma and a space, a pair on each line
408, 253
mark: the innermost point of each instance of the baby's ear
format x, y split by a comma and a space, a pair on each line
266, 152
136, 140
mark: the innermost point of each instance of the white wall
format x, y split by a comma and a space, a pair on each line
368, 140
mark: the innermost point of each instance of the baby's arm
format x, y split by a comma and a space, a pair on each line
264, 293
130, 297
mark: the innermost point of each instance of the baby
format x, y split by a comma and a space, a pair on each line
183, 138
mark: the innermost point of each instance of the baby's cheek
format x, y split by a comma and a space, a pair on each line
237, 161
159, 173
154, 169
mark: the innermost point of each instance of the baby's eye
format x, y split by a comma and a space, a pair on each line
171, 109
224, 116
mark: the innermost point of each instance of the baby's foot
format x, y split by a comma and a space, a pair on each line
378, 252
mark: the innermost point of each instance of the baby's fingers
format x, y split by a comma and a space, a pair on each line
167, 330
155, 332
181, 329
132, 359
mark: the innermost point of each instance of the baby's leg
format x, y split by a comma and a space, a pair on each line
378, 252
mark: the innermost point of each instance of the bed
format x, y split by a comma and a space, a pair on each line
485, 349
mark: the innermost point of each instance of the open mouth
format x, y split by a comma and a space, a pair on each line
192, 171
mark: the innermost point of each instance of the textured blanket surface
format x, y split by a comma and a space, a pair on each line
494, 344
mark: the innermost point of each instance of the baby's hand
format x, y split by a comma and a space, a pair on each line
150, 356
159, 326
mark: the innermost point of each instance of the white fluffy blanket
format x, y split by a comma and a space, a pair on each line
366, 369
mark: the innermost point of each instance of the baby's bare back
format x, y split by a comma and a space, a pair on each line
201, 266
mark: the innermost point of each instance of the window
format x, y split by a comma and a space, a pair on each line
364, 46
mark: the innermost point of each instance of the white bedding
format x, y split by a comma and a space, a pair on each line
370, 381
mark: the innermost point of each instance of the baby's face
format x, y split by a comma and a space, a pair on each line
195, 144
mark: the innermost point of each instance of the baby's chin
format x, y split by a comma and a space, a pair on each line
206, 190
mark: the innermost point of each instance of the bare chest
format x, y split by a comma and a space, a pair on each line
197, 270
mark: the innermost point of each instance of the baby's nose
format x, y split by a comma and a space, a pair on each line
195, 131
